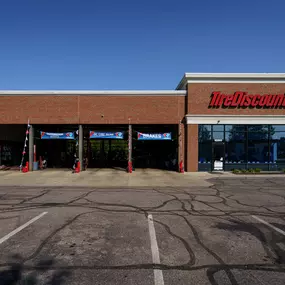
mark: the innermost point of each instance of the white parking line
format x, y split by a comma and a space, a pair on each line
158, 276
269, 225
21, 227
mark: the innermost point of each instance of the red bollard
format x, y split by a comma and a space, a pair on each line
181, 167
77, 169
25, 168
130, 167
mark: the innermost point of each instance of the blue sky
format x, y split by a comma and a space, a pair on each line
131, 44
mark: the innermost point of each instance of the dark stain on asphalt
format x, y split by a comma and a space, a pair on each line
268, 239
16, 273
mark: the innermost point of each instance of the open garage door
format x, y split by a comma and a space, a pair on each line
155, 147
12, 138
56, 144
108, 149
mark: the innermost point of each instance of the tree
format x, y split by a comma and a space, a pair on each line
255, 132
204, 133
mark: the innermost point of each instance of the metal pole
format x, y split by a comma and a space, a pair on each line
35, 153
80, 146
180, 149
31, 147
130, 165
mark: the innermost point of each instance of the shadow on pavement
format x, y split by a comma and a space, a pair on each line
16, 275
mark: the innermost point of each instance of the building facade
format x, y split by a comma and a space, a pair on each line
217, 121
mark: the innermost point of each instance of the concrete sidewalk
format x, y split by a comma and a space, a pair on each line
105, 178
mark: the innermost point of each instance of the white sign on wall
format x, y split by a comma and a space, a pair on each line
218, 165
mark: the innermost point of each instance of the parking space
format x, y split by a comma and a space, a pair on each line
228, 230
85, 243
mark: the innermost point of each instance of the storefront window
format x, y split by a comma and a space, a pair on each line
257, 132
235, 156
235, 128
205, 152
205, 133
277, 148
218, 128
277, 128
246, 146
258, 153
218, 136
235, 152
235, 135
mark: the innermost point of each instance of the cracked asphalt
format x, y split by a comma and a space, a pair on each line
205, 234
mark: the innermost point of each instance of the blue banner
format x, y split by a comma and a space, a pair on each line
106, 135
154, 137
57, 136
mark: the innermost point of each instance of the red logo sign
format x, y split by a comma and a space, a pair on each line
243, 99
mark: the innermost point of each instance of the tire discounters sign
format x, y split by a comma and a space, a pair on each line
245, 100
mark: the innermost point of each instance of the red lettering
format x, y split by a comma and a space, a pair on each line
243, 100
228, 100
222, 98
214, 99
255, 100
247, 100
270, 100
237, 98
278, 100
263, 100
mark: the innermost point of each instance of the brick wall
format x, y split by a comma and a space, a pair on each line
43, 109
40, 109
142, 110
191, 157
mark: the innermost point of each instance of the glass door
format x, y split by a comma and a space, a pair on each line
218, 151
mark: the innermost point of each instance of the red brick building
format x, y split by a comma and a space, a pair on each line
218, 121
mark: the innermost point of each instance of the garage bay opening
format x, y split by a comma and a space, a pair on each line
155, 146
152, 146
106, 148
56, 144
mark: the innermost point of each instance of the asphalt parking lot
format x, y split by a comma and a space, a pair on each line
229, 230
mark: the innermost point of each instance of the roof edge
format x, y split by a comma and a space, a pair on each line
230, 78
95, 92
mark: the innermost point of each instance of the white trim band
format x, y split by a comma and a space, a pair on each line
235, 119
235, 75
230, 78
